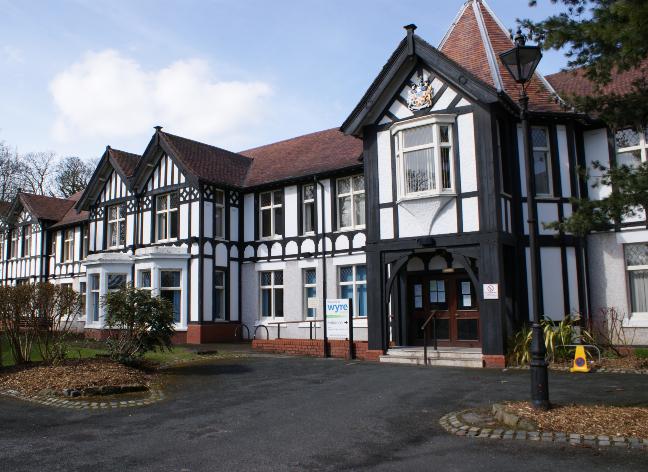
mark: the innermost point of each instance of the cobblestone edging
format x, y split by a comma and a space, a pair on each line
155, 395
595, 370
453, 424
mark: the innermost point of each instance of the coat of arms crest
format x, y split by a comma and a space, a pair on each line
420, 95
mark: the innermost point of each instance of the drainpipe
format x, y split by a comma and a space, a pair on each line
321, 186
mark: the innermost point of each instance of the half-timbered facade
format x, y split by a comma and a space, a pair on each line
411, 208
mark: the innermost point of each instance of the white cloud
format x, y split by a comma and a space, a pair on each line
108, 95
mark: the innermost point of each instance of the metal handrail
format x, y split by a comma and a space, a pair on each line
432, 318
236, 331
264, 327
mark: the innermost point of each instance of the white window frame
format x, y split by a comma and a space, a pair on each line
546, 149
272, 207
305, 203
305, 297
15, 238
219, 287
628, 269
436, 122
351, 194
642, 147
26, 241
85, 241
114, 227
219, 208
354, 283
83, 296
139, 279
166, 213
68, 245
2, 246
178, 288
273, 287
95, 302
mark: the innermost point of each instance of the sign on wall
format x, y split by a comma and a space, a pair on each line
337, 318
491, 291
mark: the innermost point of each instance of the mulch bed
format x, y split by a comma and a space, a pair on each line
77, 374
585, 419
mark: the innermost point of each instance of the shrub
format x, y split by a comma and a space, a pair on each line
38, 315
58, 307
138, 322
19, 320
556, 335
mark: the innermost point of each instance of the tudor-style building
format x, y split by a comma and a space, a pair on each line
409, 209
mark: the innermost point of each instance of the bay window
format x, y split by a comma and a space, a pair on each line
424, 153
541, 160
353, 285
271, 286
351, 202
171, 290
116, 226
636, 259
271, 213
166, 210
144, 279
94, 297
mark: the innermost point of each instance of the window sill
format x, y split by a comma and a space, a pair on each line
636, 320
346, 229
423, 196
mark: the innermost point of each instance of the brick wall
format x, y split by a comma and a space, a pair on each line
315, 348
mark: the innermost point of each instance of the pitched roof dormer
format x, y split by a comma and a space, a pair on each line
122, 162
475, 40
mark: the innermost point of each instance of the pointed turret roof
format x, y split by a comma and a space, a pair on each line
475, 40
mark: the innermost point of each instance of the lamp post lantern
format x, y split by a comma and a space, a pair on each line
521, 62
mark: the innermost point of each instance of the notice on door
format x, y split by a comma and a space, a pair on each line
338, 311
491, 291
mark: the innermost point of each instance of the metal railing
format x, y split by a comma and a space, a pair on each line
310, 326
424, 328
239, 332
598, 351
264, 327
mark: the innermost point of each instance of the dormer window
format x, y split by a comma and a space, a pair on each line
167, 220
68, 245
26, 242
424, 153
116, 226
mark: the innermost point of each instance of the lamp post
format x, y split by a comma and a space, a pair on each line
521, 62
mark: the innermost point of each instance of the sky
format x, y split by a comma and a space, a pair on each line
77, 75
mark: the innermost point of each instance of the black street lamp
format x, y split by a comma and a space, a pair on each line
521, 62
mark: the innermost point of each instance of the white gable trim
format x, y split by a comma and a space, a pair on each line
490, 53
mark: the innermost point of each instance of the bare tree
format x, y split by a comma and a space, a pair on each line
72, 175
38, 170
11, 173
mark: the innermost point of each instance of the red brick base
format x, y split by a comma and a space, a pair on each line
179, 337
315, 348
494, 361
212, 333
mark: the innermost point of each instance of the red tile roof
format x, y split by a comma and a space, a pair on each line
476, 39
319, 152
72, 216
209, 163
46, 208
574, 82
126, 161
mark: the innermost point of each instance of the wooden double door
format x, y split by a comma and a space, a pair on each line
454, 299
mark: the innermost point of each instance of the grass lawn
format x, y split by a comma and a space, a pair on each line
86, 348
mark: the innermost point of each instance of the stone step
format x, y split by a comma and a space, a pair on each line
469, 357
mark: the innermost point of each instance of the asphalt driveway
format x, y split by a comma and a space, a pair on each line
278, 413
